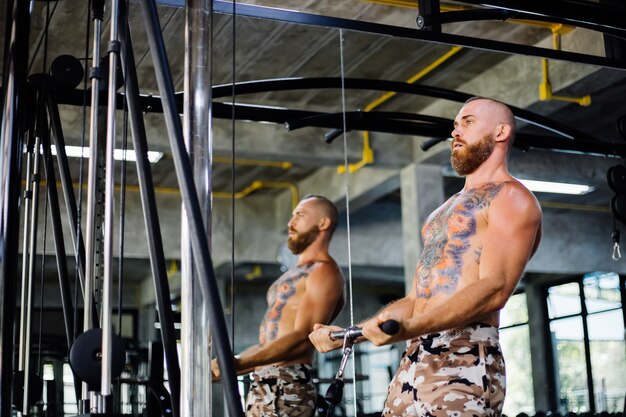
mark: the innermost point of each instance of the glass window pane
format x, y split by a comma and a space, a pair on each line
564, 300
515, 344
515, 311
567, 339
608, 360
601, 291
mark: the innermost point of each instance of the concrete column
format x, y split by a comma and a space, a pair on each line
540, 348
421, 186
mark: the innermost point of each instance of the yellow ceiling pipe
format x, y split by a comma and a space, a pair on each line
367, 155
256, 185
256, 162
545, 88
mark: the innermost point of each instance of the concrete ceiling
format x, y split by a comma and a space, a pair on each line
268, 49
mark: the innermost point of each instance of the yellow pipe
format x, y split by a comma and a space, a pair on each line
545, 89
367, 155
254, 273
256, 162
570, 206
256, 185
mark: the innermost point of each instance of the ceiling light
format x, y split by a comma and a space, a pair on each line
118, 154
556, 187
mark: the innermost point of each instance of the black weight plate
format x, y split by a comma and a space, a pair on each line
618, 207
86, 360
616, 177
67, 71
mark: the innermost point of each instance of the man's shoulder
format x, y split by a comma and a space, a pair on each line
326, 270
514, 198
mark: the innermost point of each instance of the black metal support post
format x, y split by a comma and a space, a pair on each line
66, 182
150, 213
199, 242
11, 144
430, 8
59, 244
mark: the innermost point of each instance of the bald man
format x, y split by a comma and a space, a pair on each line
311, 292
476, 246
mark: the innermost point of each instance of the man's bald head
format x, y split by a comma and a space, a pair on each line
499, 112
326, 208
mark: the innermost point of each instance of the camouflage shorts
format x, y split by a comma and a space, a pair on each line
278, 391
453, 373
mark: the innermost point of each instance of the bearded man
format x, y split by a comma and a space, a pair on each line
311, 292
476, 246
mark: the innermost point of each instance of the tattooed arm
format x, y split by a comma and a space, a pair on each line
324, 292
511, 237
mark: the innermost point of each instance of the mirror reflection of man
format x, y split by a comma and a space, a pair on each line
310, 292
476, 246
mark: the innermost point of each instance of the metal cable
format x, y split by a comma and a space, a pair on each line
347, 194
232, 180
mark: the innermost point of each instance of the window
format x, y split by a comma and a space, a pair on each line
587, 329
515, 342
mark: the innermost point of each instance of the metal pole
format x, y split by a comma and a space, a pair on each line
32, 254
109, 208
150, 214
196, 392
202, 256
14, 85
26, 232
68, 190
97, 13
57, 230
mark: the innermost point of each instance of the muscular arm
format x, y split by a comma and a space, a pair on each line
511, 236
401, 308
324, 290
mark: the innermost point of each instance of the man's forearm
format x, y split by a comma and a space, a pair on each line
281, 349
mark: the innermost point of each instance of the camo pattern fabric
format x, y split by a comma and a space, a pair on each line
454, 373
278, 391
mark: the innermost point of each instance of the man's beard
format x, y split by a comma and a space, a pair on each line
467, 159
300, 241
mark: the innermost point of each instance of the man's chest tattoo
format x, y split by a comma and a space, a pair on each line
447, 239
279, 294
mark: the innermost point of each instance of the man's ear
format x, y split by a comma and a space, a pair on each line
324, 223
503, 132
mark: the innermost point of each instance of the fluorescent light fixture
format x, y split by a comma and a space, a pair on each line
118, 154
556, 187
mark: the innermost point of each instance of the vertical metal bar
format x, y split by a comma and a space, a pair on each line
196, 330
198, 238
150, 214
97, 13
583, 314
109, 207
32, 253
66, 182
14, 85
26, 232
57, 231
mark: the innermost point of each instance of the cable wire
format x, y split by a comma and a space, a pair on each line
232, 179
347, 194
